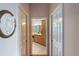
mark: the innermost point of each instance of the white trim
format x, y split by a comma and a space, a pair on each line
58, 6
50, 35
21, 8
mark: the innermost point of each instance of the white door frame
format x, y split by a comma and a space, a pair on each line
47, 35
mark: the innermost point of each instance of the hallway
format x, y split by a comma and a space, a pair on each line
38, 50
39, 29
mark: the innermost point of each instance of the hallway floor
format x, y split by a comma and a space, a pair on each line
38, 49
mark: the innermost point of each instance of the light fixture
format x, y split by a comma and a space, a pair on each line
23, 23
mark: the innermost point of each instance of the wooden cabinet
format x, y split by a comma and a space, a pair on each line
41, 39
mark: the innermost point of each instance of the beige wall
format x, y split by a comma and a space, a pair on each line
39, 10
71, 29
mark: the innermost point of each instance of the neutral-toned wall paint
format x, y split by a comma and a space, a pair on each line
71, 29
39, 10
10, 46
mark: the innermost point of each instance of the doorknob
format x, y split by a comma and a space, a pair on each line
51, 40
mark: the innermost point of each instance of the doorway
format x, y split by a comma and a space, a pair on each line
39, 46
23, 30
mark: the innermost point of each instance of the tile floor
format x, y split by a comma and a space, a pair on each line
38, 49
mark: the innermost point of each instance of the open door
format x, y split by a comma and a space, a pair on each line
57, 31
23, 30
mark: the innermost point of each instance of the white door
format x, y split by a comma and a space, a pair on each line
23, 30
57, 31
